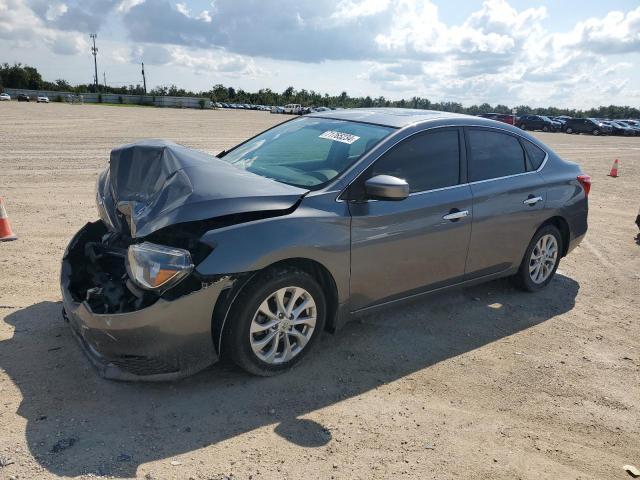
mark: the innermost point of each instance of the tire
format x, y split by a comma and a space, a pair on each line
240, 342
596, 132
569, 130
524, 279
545, 129
523, 126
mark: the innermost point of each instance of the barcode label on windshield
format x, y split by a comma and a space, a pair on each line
339, 137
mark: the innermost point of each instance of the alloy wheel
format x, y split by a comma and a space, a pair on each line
543, 258
283, 325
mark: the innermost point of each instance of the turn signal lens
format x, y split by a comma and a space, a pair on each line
155, 267
585, 181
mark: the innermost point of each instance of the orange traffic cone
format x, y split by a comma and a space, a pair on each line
5, 228
614, 170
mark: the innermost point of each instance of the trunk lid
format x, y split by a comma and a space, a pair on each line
155, 183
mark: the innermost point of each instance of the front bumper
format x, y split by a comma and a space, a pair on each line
164, 341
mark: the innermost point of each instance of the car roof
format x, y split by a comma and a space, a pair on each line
391, 117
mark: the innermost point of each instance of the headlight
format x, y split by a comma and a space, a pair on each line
154, 267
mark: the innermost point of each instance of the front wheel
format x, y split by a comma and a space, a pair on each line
596, 132
540, 261
275, 321
545, 129
569, 130
523, 126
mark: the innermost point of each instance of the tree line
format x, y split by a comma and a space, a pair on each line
24, 76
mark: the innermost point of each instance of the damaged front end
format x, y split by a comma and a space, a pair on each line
130, 283
113, 274
129, 332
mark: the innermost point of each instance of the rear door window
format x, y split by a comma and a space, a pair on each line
494, 155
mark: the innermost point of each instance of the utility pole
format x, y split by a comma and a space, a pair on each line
144, 80
104, 77
94, 52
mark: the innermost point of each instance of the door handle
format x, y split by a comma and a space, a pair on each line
457, 215
532, 200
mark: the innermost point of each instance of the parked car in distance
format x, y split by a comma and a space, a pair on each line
635, 126
292, 108
586, 125
603, 124
23, 98
560, 120
619, 128
538, 122
276, 109
400, 203
4, 97
42, 99
501, 117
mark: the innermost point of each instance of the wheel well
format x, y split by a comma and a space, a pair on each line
318, 271
561, 224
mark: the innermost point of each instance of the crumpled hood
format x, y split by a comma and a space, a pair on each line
154, 183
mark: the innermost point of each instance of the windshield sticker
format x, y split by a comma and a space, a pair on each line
339, 137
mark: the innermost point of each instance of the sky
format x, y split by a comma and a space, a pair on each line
565, 53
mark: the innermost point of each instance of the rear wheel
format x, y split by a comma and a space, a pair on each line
540, 261
596, 132
275, 321
545, 129
569, 130
523, 126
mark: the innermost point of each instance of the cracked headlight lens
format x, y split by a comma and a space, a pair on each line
155, 267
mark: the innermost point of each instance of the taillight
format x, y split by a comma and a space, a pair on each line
585, 181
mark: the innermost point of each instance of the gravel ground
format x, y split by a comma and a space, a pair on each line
484, 382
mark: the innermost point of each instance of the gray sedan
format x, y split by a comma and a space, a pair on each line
252, 254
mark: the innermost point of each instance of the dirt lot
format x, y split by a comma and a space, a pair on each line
480, 383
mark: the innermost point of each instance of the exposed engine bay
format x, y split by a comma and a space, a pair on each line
99, 274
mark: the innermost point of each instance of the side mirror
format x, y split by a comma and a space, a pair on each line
386, 187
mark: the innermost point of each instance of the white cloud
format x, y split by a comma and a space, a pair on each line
125, 5
350, 10
55, 10
199, 61
20, 28
184, 10
616, 33
67, 43
210, 62
204, 16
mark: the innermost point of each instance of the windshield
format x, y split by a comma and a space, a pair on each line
307, 152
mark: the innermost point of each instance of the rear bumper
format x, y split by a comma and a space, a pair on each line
164, 341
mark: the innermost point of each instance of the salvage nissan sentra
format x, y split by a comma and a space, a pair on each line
254, 253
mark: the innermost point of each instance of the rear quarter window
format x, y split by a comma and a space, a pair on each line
536, 154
